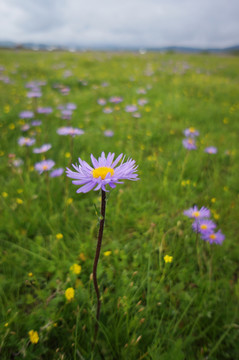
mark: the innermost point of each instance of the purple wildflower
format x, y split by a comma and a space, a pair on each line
25, 127
115, 99
44, 165
108, 133
42, 149
44, 110
25, 141
68, 130
101, 101
211, 150
189, 144
26, 114
107, 110
103, 172
142, 102
57, 172
66, 114
195, 213
203, 226
136, 115
17, 162
191, 132
71, 106
34, 93
36, 123
131, 108
214, 237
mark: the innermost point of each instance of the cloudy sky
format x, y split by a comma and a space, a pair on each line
137, 23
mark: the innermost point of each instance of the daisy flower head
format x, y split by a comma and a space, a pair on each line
191, 132
131, 108
26, 114
214, 237
101, 101
189, 144
211, 150
196, 213
56, 172
115, 99
44, 165
25, 141
44, 110
203, 226
68, 130
104, 172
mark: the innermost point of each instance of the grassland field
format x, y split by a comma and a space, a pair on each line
151, 309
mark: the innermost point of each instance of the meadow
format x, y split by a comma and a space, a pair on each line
167, 294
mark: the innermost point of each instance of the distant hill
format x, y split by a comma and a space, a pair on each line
181, 49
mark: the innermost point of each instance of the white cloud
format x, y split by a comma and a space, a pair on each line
121, 23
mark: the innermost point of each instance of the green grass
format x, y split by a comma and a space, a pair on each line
187, 309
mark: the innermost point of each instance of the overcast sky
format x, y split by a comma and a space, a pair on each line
140, 23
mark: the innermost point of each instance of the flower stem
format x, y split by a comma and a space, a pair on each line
97, 255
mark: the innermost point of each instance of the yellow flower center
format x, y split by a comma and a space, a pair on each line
45, 167
192, 129
190, 141
102, 172
195, 214
204, 227
212, 236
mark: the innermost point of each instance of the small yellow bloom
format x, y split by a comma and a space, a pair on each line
148, 109
31, 168
171, 132
19, 201
225, 120
67, 155
19, 191
4, 194
69, 201
142, 147
225, 188
11, 126
59, 236
107, 253
129, 137
168, 259
216, 216
30, 274
1, 153
70, 293
6, 109
213, 200
34, 337
6, 324
76, 269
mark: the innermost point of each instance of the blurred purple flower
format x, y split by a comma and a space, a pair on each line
25, 127
131, 108
108, 133
214, 237
136, 115
26, 114
36, 123
42, 149
195, 213
68, 130
203, 226
44, 165
107, 110
189, 144
25, 141
101, 101
44, 110
57, 172
115, 99
71, 106
211, 150
142, 102
191, 132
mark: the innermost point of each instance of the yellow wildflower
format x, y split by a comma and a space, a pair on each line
213, 200
168, 259
69, 293
11, 126
76, 269
67, 155
82, 257
69, 201
6, 324
107, 253
19, 201
30, 274
19, 191
4, 194
1, 153
59, 236
34, 337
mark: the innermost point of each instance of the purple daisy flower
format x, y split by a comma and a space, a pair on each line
115, 99
203, 226
44, 110
36, 123
71, 106
191, 132
25, 127
44, 165
26, 114
18, 162
57, 172
211, 150
66, 114
189, 144
103, 172
101, 101
68, 130
142, 102
214, 237
34, 93
195, 213
25, 141
109, 133
42, 149
136, 115
107, 110
131, 108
